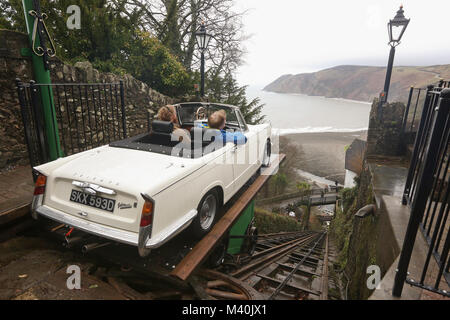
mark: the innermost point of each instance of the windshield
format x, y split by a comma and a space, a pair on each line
231, 115
189, 113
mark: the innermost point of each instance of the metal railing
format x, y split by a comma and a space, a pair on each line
87, 116
414, 107
444, 84
300, 194
427, 194
411, 118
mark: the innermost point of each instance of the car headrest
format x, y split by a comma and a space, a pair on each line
162, 126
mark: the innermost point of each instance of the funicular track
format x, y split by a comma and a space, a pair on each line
285, 266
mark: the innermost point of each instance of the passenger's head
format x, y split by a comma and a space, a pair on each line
167, 113
217, 120
223, 113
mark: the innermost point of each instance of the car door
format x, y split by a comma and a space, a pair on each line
245, 159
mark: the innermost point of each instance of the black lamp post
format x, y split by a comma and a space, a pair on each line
203, 39
396, 28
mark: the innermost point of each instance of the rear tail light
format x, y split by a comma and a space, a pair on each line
147, 213
38, 198
145, 231
40, 185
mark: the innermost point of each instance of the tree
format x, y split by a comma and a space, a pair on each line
151, 62
226, 90
303, 186
102, 34
175, 22
11, 15
109, 39
122, 36
279, 182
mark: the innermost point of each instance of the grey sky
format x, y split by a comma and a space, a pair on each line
296, 36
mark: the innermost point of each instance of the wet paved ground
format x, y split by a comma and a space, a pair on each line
16, 188
388, 179
33, 268
34, 265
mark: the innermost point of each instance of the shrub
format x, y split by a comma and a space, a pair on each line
151, 62
268, 222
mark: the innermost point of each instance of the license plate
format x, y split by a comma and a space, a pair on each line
93, 201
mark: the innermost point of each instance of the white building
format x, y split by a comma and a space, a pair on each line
354, 158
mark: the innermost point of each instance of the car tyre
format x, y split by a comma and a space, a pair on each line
207, 213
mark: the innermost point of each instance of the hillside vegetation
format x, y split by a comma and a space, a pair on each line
268, 222
361, 83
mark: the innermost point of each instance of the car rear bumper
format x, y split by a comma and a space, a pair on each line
103, 231
122, 236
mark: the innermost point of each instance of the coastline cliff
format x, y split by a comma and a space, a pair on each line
361, 83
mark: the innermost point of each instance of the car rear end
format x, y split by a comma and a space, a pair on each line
101, 194
96, 209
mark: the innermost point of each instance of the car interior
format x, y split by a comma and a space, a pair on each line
161, 140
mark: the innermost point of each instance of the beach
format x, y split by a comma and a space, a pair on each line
321, 154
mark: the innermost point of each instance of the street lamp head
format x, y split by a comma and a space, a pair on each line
397, 27
202, 37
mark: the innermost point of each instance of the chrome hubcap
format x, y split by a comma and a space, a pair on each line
208, 212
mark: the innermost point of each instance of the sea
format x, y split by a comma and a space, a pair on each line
299, 113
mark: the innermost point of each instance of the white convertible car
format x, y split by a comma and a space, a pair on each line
144, 190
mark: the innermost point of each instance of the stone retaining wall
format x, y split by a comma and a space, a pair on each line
384, 137
139, 98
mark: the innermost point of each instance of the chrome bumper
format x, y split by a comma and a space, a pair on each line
127, 237
118, 235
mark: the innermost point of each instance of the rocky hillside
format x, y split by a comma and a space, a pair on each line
361, 83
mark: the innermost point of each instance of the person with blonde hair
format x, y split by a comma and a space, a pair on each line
217, 120
169, 114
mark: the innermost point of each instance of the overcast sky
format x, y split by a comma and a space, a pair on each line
296, 36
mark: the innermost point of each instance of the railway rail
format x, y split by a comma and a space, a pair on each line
285, 266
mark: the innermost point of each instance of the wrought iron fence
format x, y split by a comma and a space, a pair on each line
444, 84
88, 116
411, 118
427, 194
33, 121
414, 108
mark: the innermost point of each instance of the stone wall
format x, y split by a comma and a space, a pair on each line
362, 239
369, 241
384, 137
139, 98
12, 65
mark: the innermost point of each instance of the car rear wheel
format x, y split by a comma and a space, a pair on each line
206, 216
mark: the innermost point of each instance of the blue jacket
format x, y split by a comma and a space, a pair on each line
235, 137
